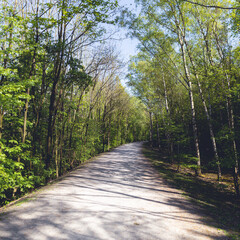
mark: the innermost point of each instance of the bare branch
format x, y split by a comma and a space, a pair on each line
212, 6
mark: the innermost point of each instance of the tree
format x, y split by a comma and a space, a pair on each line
190, 45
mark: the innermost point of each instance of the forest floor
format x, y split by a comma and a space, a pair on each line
117, 195
216, 199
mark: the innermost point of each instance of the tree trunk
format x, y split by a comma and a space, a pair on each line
194, 124
50, 125
25, 118
56, 156
151, 130
230, 120
109, 132
181, 34
169, 139
1, 125
212, 136
158, 136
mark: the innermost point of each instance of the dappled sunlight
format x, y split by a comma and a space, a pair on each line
119, 195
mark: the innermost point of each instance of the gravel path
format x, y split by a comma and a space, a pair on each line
118, 196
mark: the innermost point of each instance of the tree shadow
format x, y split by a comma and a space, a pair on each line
221, 207
119, 195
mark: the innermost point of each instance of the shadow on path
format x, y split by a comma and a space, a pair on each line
117, 196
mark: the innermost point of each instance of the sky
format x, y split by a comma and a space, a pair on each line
126, 47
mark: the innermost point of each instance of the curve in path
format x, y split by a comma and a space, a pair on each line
117, 196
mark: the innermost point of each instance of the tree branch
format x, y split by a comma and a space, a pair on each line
212, 6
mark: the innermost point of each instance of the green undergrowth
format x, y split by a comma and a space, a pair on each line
25, 197
217, 203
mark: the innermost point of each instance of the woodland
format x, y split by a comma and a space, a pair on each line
187, 74
62, 101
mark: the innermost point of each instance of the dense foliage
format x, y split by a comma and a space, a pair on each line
187, 74
61, 100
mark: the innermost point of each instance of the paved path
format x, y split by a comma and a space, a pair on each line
118, 196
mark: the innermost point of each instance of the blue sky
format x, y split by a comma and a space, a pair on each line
126, 47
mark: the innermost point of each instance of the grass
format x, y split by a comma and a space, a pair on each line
20, 202
215, 199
